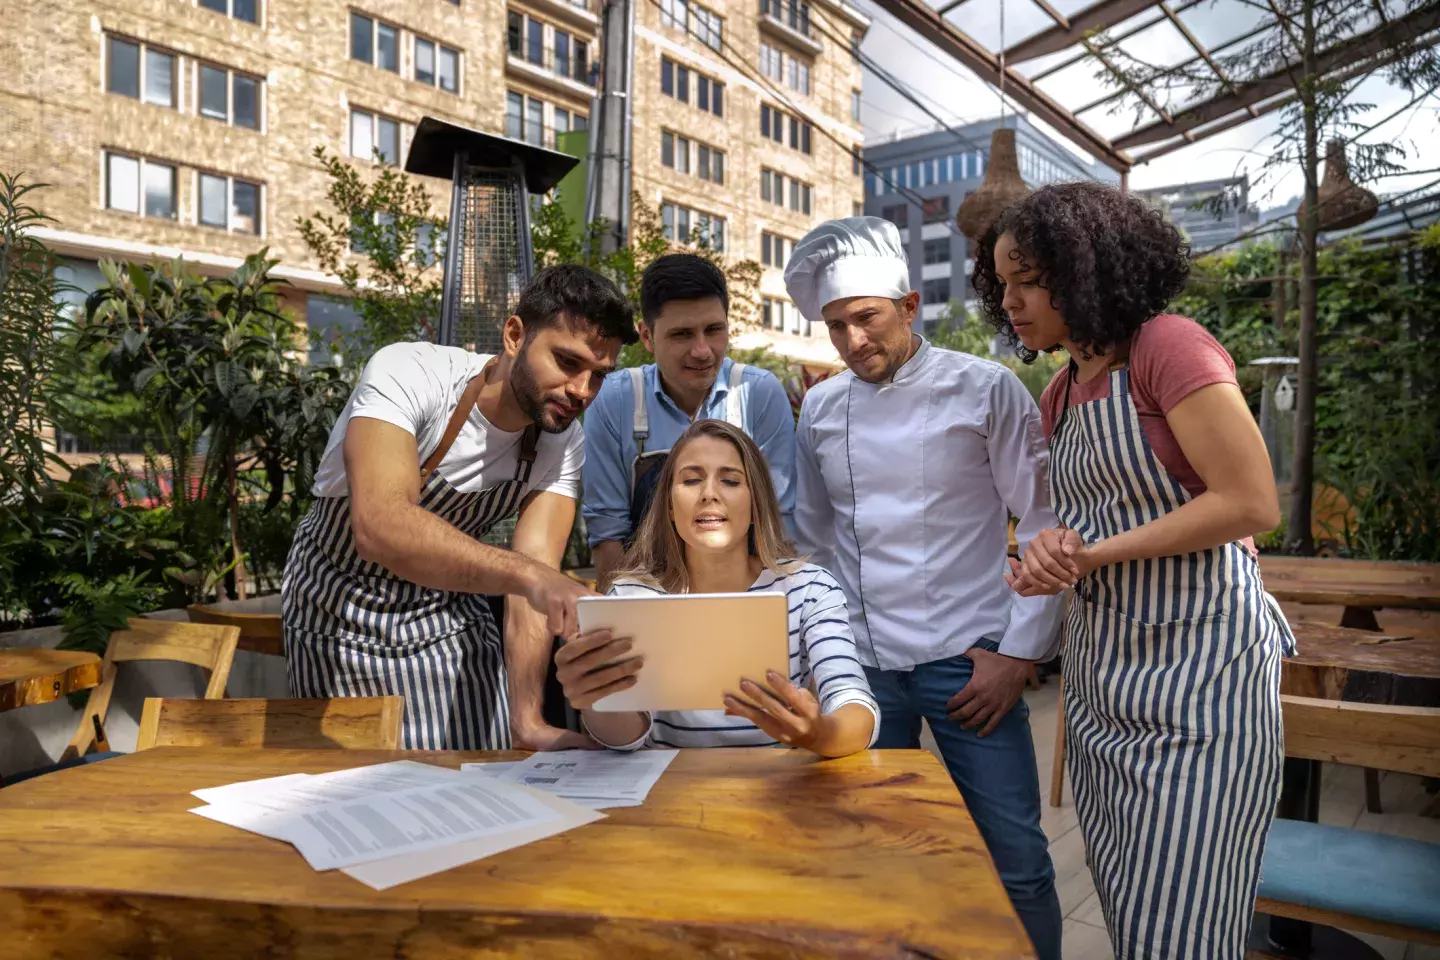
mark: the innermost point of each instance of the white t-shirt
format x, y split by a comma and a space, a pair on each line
417, 387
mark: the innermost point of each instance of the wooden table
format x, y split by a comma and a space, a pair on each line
29, 677
736, 853
1361, 586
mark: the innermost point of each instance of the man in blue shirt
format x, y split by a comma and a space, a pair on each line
640, 412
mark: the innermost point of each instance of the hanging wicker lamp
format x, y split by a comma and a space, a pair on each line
1001, 188
1343, 203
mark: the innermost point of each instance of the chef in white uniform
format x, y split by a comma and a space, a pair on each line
908, 467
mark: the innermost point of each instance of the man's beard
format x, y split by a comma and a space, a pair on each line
532, 399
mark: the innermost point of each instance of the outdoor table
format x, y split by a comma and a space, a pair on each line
746, 853
1361, 586
29, 677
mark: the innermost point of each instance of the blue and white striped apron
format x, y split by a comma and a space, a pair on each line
1172, 702
354, 629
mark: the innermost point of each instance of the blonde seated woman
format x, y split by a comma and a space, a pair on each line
714, 527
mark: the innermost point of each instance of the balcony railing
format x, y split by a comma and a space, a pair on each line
571, 65
794, 14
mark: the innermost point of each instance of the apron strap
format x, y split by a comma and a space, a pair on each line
529, 440
640, 421
732, 398
452, 428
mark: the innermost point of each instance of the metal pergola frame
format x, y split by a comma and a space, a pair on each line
1239, 101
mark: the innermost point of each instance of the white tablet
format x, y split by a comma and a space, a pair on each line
696, 646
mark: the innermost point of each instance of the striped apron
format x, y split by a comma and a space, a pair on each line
354, 629
1172, 702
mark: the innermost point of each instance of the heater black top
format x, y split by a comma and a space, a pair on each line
435, 144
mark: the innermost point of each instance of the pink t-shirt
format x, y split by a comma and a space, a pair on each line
1170, 358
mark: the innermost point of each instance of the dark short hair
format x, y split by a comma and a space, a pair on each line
680, 276
1110, 262
579, 293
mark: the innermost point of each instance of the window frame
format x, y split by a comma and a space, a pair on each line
229, 11
231, 76
230, 183
142, 166
111, 40
375, 118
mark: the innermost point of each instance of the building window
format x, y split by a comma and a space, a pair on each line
514, 116
515, 34
710, 164
437, 66
857, 161
138, 70
771, 64
708, 27
667, 149
374, 138
799, 76
936, 209
767, 312
855, 46
936, 290
247, 10
683, 225
710, 95
139, 186
899, 214
937, 250
775, 250
674, 14
374, 42
229, 204
855, 208
425, 61
228, 96
682, 155
674, 80
534, 121
855, 105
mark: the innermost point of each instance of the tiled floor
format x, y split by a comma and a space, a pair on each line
1342, 802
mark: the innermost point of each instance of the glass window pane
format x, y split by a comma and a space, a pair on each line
247, 102
702, 93
214, 202
582, 61
718, 96
682, 154
562, 121
535, 42
122, 182
717, 167
667, 149
245, 214
514, 116
159, 78
667, 221
387, 139
562, 53
362, 137
213, 92
247, 10
682, 225
534, 122
159, 191
580, 123
682, 91
514, 33
449, 70
387, 47
123, 67
361, 31
667, 78
219, 6
424, 61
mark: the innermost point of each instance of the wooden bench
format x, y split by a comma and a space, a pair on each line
1342, 877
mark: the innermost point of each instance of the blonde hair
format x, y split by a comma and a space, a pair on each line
657, 555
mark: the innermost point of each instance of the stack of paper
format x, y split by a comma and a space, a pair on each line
393, 822
599, 780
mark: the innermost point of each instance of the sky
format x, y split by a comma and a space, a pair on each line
958, 96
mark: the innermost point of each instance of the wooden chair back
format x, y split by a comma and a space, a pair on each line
1376, 736
350, 723
259, 632
207, 646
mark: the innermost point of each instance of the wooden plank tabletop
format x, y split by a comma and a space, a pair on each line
28, 677
740, 853
1335, 663
1352, 583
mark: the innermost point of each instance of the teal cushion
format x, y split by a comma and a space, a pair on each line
1392, 879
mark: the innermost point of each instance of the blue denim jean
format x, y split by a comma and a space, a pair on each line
996, 776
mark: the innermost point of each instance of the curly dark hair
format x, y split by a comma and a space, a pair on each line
1109, 261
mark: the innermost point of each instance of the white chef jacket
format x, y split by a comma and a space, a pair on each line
902, 492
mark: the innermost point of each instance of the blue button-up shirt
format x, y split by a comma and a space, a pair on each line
610, 449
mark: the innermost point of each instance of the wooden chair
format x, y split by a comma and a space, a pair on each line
210, 647
349, 723
259, 632
1342, 877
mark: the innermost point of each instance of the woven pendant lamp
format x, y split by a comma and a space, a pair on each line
1001, 188
1343, 203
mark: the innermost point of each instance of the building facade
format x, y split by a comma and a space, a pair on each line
920, 182
187, 128
1212, 214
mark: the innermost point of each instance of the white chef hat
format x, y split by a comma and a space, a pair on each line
852, 257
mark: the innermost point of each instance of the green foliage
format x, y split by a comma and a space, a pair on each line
1378, 397
95, 610
957, 330
396, 285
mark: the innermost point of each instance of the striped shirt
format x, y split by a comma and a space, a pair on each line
822, 657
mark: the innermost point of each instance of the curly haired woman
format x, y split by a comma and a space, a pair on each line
1173, 648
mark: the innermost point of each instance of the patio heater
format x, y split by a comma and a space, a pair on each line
488, 258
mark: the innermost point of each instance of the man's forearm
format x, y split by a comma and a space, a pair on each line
528, 647
418, 546
607, 555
